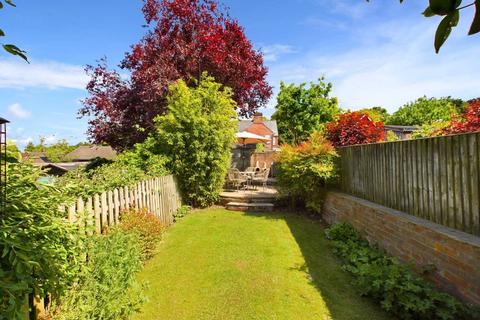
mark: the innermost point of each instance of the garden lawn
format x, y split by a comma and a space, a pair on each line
218, 264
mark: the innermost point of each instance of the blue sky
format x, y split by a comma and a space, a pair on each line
379, 53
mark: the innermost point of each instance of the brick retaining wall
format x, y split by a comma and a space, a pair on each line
455, 254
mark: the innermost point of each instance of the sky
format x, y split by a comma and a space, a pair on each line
375, 54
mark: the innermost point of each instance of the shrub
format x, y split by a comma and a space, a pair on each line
39, 249
469, 122
304, 171
355, 128
426, 111
107, 288
80, 182
197, 135
434, 129
391, 136
148, 228
383, 278
181, 213
142, 157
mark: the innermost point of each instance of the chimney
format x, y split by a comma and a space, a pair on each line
258, 117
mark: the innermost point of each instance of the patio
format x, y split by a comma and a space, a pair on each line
261, 195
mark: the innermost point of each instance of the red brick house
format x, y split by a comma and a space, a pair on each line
261, 127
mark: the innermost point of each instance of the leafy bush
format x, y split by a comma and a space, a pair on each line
101, 174
107, 288
81, 182
142, 157
39, 249
391, 136
196, 135
434, 129
383, 278
304, 171
181, 213
469, 122
355, 128
97, 163
426, 111
148, 228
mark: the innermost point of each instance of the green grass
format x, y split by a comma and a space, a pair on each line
217, 264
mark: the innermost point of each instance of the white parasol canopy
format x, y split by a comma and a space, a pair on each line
248, 135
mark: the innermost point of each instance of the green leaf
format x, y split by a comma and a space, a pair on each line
10, 2
2, 34
475, 28
1, 5
12, 49
428, 12
445, 28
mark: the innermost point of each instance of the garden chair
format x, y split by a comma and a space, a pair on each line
262, 178
235, 178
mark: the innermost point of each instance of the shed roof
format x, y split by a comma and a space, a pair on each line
400, 128
87, 153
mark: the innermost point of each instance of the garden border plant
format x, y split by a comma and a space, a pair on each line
305, 170
39, 250
398, 289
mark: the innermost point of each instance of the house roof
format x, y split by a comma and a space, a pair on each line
64, 166
243, 125
87, 153
36, 157
400, 128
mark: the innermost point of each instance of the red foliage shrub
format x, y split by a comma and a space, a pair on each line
469, 122
355, 128
147, 226
185, 38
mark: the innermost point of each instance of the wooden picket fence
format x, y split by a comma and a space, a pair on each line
159, 196
437, 179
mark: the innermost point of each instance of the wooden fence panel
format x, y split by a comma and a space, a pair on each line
159, 196
437, 179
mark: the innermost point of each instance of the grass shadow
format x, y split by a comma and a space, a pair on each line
324, 271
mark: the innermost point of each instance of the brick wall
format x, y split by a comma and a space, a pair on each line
455, 254
264, 158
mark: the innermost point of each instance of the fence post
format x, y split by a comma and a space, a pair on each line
90, 215
103, 198
116, 201
97, 213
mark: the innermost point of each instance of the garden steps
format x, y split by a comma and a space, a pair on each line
261, 195
250, 206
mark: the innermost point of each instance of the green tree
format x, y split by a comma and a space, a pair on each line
378, 114
57, 152
301, 110
197, 135
10, 48
54, 152
426, 111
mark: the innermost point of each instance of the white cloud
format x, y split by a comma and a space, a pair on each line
389, 64
18, 111
22, 142
51, 139
272, 52
51, 75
